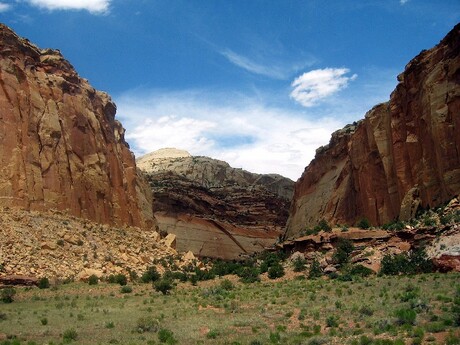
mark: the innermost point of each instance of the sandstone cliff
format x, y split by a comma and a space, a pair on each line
60, 145
404, 155
214, 209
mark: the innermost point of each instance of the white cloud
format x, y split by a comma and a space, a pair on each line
273, 70
244, 133
93, 6
402, 2
311, 87
4, 7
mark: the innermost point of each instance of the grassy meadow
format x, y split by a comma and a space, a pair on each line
405, 309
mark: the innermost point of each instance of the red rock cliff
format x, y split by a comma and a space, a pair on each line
404, 155
60, 145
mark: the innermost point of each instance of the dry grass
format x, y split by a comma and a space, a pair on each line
286, 311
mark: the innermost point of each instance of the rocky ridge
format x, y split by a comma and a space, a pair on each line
60, 145
216, 210
436, 232
403, 157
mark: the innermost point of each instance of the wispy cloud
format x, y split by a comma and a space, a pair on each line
402, 2
241, 131
93, 6
311, 87
274, 69
4, 7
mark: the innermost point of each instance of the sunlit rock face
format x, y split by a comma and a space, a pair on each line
216, 210
60, 145
403, 156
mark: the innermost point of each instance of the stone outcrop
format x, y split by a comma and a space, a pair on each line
440, 240
60, 145
213, 209
402, 157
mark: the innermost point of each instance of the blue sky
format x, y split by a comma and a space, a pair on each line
260, 84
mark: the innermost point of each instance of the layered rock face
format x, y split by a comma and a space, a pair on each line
214, 209
60, 145
405, 154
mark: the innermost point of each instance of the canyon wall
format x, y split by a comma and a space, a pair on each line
216, 210
402, 157
60, 145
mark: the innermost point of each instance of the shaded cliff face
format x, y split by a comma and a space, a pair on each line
214, 209
60, 146
405, 154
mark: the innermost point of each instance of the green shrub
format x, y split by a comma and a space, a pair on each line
331, 321
324, 225
93, 279
249, 274
44, 321
360, 270
69, 335
405, 316
299, 264
226, 285
315, 270
7, 295
364, 224
343, 250
150, 275
166, 336
109, 324
212, 334
406, 263
163, 285
270, 259
126, 289
222, 268
276, 271
147, 324
118, 279
394, 226
43, 283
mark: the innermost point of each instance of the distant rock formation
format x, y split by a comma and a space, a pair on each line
60, 145
404, 156
216, 210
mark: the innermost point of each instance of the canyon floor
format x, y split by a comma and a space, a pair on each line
418, 309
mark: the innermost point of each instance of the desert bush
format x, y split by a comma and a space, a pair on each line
147, 324
44, 321
163, 285
69, 335
7, 295
43, 283
405, 316
227, 285
270, 259
299, 264
364, 224
315, 270
166, 336
343, 250
323, 225
406, 263
276, 271
222, 268
394, 226
360, 270
93, 280
118, 279
126, 289
249, 274
366, 311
